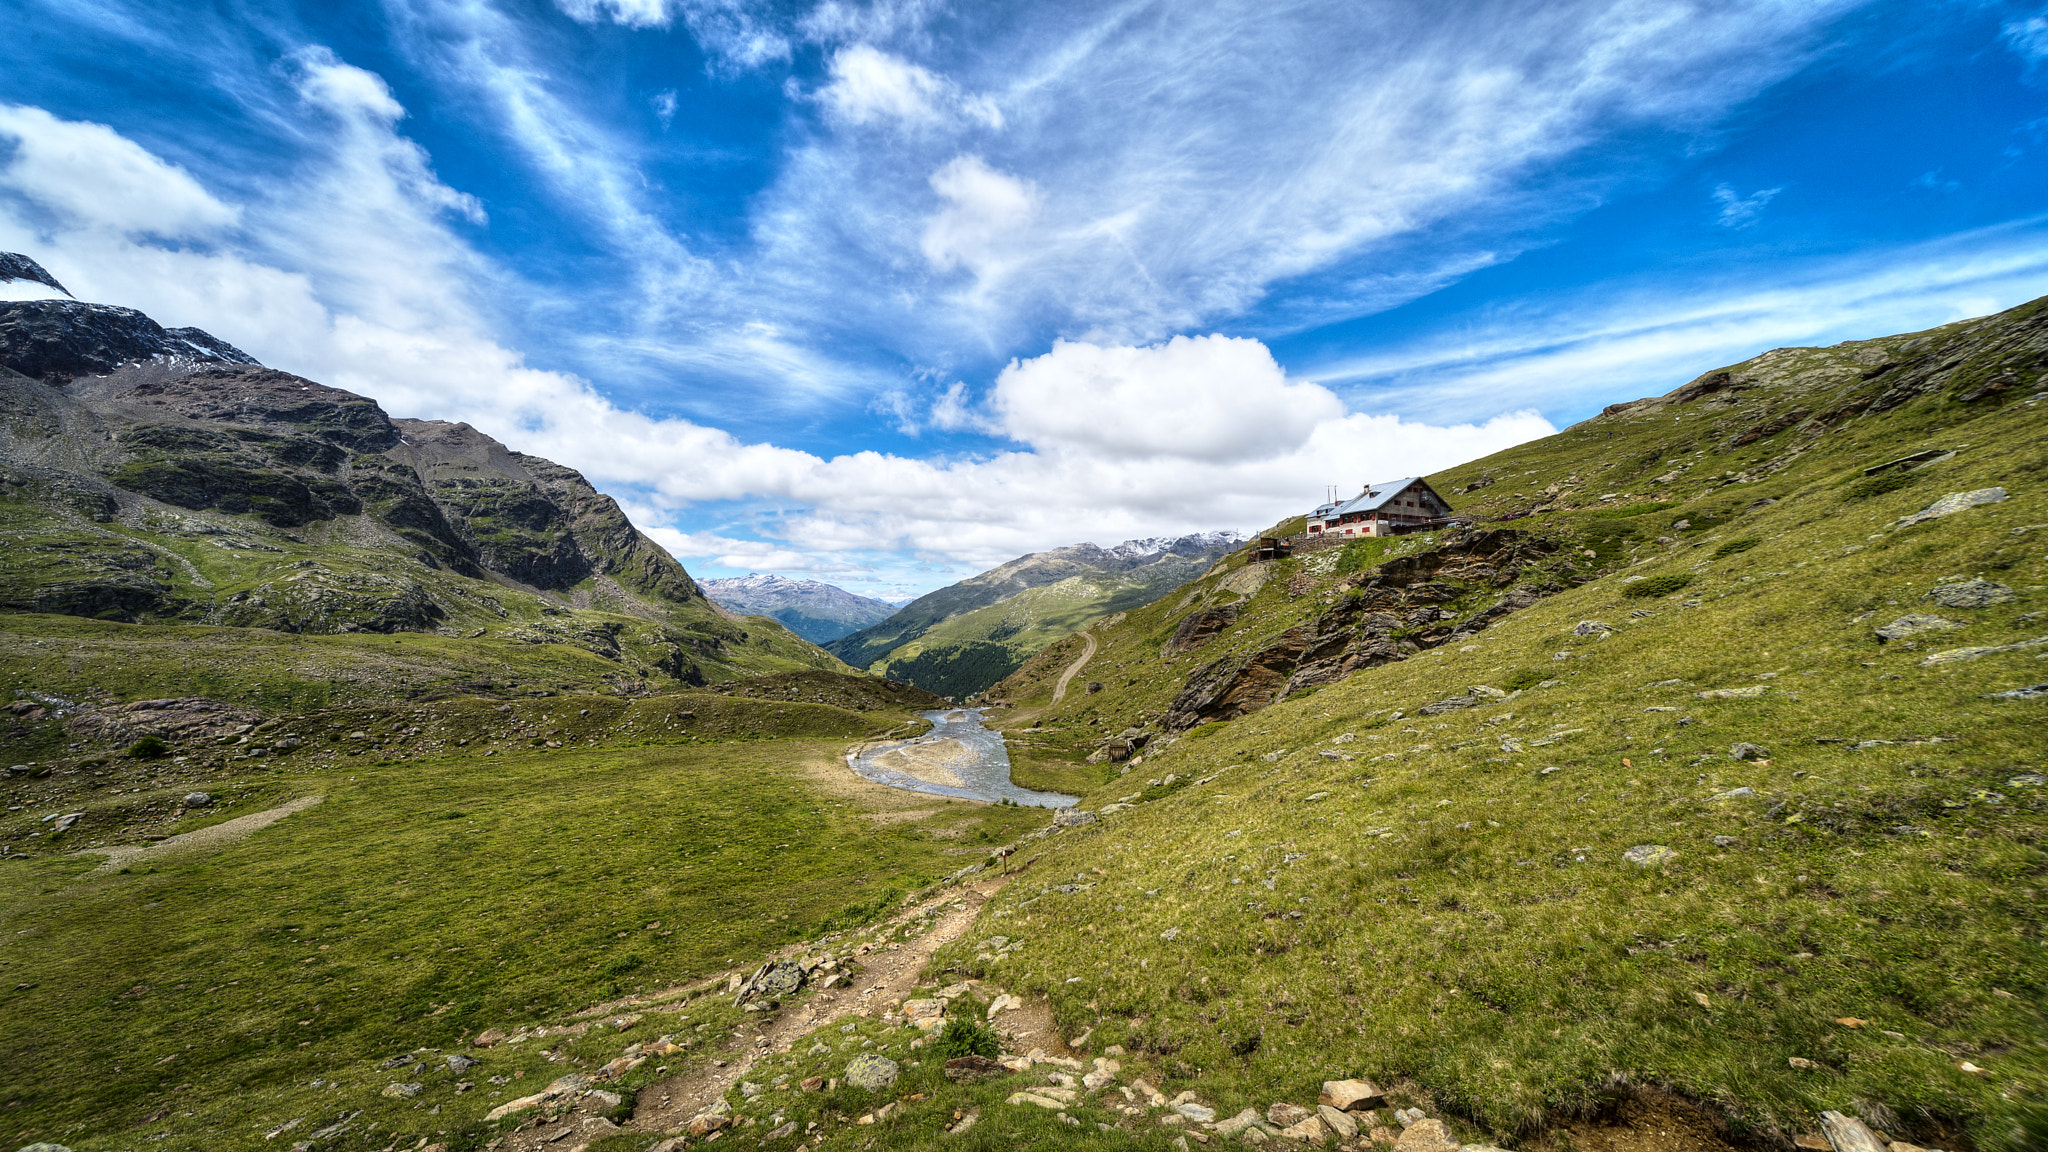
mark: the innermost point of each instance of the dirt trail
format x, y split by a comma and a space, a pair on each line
887, 976
205, 839
1059, 690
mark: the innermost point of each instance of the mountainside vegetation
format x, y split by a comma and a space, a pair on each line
1717, 769
167, 481
966, 636
1692, 791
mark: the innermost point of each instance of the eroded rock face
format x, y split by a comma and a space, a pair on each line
62, 339
101, 406
1388, 615
1198, 628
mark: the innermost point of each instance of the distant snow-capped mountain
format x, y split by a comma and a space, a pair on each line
1191, 544
812, 609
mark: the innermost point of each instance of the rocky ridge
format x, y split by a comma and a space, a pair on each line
162, 476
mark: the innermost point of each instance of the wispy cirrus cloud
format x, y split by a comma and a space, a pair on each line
1739, 211
1581, 350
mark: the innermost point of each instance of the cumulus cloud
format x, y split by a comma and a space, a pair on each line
84, 175
981, 225
1204, 398
870, 86
393, 320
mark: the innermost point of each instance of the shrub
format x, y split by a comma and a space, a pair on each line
964, 1035
149, 748
1879, 484
1658, 585
1731, 547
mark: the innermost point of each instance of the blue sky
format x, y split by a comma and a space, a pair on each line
887, 293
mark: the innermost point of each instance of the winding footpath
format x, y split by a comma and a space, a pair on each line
1059, 690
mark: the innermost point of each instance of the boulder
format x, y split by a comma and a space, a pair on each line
872, 1072
489, 1037
1285, 1115
1953, 503
1749, 752
1848, 1134
1072, 817
1309, 1131
1249, 1118
1913, 625
198, 800
1649, 855
1427, 1135
1967, 594
925, 1014
1352, 1095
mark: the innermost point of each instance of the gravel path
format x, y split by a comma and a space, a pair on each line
1059, 690
887, 977
206, 839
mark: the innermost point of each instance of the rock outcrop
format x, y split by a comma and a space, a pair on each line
1387, 615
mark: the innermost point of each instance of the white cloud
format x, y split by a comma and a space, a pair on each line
1179, 169
726, 29
1206, 398
870, 86
1739, 211
838, 21
664, 105
393, 320
2028, 38
1613, 342
954, 412
982, 224
86, 175
631, 13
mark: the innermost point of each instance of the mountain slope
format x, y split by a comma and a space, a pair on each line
814, 610
982, 640
162, 477
1715, 771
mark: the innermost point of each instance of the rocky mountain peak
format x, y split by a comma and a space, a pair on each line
15, 267
57, 341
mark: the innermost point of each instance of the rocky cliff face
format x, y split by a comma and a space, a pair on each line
136, 461
56, 340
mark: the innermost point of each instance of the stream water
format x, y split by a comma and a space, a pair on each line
957, 747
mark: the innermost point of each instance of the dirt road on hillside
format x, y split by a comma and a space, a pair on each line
1059, 690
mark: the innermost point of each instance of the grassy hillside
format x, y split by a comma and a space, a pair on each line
471, 864
1714, 771
964, 637
1682, 821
